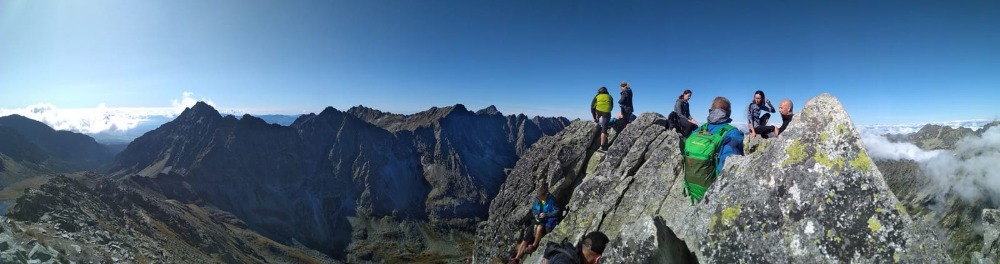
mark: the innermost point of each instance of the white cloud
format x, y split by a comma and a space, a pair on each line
972, 170
880, 147
187, 101
100, 118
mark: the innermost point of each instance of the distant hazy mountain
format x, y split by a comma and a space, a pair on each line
123, 137
29, 147
333, 180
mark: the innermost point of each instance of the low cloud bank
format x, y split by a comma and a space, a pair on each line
880, 147
100, 118
971, 171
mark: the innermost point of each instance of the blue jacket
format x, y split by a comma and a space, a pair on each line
732, 143
548, 207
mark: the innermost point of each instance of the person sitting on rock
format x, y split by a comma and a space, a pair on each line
546, 217
600, 109
757, 122
732, 141
682, 115
785, 109
587, 251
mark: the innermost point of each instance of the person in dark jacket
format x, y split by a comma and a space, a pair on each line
757, 122
785, 109
600, 109
685, 123
625, 103
587, 251
546, 217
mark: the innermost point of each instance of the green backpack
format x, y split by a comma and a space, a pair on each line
701, 154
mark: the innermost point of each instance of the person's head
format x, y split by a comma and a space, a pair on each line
542, 192
721, 103
624, 85
686, 95
602, 90
786, 107
758, 97
593, 246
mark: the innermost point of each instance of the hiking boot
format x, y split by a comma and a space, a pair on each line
530, 249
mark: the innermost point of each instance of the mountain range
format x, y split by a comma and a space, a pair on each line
320, 179
450, 184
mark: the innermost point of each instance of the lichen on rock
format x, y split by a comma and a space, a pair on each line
811, 195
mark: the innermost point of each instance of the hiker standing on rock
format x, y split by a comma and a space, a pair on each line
625, 103
682, 115
600, 109
756, 122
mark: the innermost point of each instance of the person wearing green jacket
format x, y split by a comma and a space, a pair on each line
600, 109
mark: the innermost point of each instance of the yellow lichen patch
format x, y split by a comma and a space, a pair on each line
875, 195
828, 200
900, 208
829, 233
878, 210
824, 136
836, 239
874, 224
824, 160
729, 215
711, 225
796, 153
842, 129
862, 162
895, 257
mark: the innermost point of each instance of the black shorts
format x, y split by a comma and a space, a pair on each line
529, 232
604, 120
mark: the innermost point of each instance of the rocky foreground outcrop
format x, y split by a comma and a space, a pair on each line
811, 196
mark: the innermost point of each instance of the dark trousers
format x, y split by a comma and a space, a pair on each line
763, 129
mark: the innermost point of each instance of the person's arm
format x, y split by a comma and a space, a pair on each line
732, 144
750, 119
551, 210
770, 107
593, 108
685, 107
679, 109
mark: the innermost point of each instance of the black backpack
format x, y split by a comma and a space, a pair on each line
561, 253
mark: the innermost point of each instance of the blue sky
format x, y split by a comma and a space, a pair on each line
887, 62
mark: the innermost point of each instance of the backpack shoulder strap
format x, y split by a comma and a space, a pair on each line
725, 129
703, 127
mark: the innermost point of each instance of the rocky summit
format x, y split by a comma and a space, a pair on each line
813, 195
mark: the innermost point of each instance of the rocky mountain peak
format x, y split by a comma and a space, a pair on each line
200, 109
812, 195
489, 110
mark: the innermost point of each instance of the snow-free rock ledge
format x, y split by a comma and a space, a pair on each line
811, 196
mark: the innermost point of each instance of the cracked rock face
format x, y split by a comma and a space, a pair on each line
812, 195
